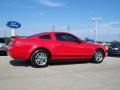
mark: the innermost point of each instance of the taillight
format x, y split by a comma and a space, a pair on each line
12, 43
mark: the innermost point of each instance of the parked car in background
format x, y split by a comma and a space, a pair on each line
106, 46
42, 48
114, 48
2, 45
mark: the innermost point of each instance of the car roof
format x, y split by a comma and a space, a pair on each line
40, 34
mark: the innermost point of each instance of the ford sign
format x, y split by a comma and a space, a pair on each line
13, 24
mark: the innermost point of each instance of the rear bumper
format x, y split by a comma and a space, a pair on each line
17, 54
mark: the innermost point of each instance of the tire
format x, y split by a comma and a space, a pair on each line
39, 58
98, 56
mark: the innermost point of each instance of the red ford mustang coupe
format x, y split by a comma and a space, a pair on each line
41, 48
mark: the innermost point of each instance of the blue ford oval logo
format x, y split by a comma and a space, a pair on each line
13, 24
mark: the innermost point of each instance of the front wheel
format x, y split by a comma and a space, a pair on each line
98, 57
39, 58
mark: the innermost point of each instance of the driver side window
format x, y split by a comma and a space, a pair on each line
66, 37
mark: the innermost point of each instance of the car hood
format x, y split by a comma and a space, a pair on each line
95, 45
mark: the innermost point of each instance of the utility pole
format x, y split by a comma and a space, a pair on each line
5, 33
96, 19
68, 28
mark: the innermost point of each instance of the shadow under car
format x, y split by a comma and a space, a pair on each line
56, 63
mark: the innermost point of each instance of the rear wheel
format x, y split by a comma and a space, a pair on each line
40, 58
98, 56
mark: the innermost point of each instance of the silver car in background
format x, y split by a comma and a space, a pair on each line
3, 45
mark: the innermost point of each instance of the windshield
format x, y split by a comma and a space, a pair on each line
115, 44
2, 40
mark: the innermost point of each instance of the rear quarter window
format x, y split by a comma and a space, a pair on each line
45, 37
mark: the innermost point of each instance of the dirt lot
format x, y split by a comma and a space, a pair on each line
17, 75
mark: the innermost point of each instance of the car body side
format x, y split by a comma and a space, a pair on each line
24, 47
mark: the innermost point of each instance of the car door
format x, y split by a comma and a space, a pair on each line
67, 46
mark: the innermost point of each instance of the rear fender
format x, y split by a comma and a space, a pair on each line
36, 48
